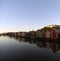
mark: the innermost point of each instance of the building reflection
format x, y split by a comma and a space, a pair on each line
55, 46
24, 39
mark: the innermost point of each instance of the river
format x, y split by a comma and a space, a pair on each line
21, 49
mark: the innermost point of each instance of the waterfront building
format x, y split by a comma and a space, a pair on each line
51, 31
31, 34
48, 34
20, 34
38, 33
55, 34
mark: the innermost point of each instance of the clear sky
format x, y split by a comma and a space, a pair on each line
25, 15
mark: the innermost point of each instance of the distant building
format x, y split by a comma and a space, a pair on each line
51, 31
55, 34
38, 33
48, 34
31, 34
20, 34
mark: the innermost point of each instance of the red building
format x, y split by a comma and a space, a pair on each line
55, 34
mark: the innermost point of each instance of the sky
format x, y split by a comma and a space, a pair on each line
27, 15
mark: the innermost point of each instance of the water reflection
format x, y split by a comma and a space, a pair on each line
55, 46
22, 49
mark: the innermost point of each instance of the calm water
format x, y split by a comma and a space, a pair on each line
20, 49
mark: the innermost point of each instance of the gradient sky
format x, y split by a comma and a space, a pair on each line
25, 15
